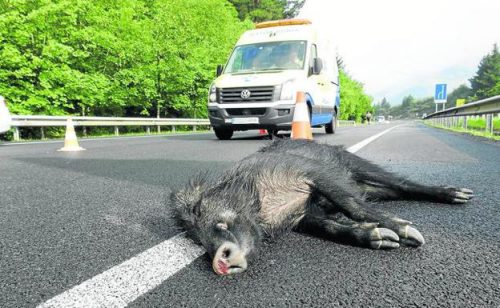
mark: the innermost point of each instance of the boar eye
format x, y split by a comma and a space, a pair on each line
196, 209
222, 225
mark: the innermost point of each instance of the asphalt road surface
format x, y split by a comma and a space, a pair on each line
68, 217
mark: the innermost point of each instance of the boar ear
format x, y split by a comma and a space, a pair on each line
185, 205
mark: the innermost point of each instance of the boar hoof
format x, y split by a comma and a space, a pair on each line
382, 238
459, 195
411, 236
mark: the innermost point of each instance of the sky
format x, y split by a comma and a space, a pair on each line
402, 47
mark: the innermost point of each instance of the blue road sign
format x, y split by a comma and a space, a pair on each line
440, 93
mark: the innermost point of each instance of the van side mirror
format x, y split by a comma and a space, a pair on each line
220, 68
317, 66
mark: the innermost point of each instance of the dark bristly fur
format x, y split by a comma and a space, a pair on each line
302, 186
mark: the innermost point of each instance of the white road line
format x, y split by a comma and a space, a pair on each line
122, 284
358, 146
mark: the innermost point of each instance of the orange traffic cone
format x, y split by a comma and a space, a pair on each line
301, 127
70, 141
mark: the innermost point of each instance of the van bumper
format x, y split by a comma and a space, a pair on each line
278, 117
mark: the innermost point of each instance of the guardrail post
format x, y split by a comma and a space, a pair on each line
16, 134
464, 124
489, 123
194, 128
42, 133
158, 129
117, 131
148, 130
173, 128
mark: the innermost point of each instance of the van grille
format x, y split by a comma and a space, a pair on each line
257, 95
246, 111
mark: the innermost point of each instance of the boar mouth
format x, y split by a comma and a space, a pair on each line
229, 259
223, 268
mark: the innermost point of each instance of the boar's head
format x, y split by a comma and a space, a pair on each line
223, 220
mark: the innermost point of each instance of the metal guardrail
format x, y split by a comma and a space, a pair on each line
61, 121
345, 123
485, 106
459, 115
53, 121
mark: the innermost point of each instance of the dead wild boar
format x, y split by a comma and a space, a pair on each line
302, 186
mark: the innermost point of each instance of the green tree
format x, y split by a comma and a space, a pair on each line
408, 101
463, 91
264, 10
354, 102
383, 108
293, 7
104, 57
340, 63
486, 82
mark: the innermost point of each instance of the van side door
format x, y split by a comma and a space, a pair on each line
326, 90
314, 86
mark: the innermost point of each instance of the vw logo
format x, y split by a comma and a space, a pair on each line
245, 94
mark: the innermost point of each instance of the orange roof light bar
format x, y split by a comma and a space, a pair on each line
282, 22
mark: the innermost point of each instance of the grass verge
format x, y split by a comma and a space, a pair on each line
466, 131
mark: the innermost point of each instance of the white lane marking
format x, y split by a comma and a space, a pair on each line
358, 146
122, 284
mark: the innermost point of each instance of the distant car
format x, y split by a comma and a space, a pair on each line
5, 118
381, 119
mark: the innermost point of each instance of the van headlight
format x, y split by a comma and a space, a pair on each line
288, 89
212, 95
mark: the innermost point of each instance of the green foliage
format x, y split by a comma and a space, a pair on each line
475, 126
354, 102
383, 108
480, 124
462, 92
263, 10
486, 82
113, 58
129, 58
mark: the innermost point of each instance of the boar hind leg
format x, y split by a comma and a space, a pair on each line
386, 186
349, 232
341, 198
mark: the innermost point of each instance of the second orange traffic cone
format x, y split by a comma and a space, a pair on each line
301, 126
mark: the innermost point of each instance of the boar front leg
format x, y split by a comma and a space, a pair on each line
360, 234
341, 197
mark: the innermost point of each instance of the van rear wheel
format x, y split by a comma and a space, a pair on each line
332, 126
223, 133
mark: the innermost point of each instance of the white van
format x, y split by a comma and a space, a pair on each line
5, 119
256, 89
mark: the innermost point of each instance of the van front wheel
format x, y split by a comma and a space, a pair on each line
332, 126
223, 133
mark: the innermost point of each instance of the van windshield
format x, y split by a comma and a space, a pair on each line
286, 55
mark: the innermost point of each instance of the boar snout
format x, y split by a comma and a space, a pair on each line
229, 259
